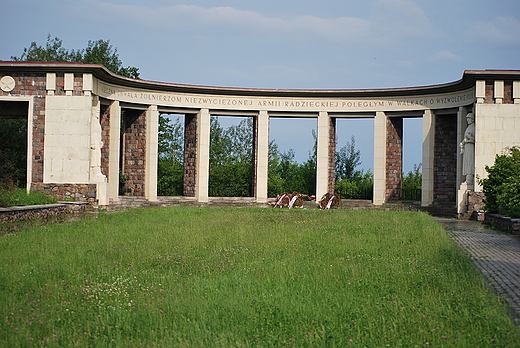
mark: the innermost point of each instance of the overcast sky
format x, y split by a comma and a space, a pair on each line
328, 44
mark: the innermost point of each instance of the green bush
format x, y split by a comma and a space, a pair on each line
514, 212
6, 196
170, 178
502, 186
358, 187
347, 189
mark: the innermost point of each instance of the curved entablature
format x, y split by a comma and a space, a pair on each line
109, 78
114, 87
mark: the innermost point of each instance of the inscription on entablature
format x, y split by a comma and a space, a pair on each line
286, 104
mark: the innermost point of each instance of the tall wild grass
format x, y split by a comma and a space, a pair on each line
245, 277
19, 196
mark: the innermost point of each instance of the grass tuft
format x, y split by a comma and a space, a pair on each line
18, 197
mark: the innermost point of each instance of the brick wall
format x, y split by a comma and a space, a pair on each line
490, 87
134, 147
508, 92
332, 155
445, 158
394, 157
190, 154
104, 120
255, 156
33, 85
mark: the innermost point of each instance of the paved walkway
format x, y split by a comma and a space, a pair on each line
495, 253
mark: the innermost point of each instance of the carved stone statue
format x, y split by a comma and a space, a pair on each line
467, 149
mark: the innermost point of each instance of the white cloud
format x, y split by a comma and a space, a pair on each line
501, 31
229, 21
399, 19
445, 55
390, 19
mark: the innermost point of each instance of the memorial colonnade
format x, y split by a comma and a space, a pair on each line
88, 128
388, 136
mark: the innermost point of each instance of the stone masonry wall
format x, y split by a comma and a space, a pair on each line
445, 158
22, 213
33, 85
394, 157
332, 155
190, 154
104, 120
255, 156
508, 92
489, 92
134, 152
66, 192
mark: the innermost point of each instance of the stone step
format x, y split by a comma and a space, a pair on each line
438, 209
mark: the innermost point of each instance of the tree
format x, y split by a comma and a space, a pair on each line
347, 160
352, 183
97, 52
170, 167
231, 159
13, 153
171, 135
411, 184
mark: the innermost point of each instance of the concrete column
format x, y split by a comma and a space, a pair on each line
427, 158
68, 83
30, 140
88, 84
379, 158
114, 150
202, 181
96, 143
516, 92
262, 156
461, 127
498, 91
322, 155
461, 188
51, 83
152, 148
480, 91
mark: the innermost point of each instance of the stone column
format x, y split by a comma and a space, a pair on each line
114, 150
461, 126
262, 156
152, 149
462, 201
427, 158
480, 91
322, 155
379, 158
96, 144
516, 92
68, 83
499, 92
202, 171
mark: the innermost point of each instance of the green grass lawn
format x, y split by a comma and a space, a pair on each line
245, 277
19, 196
